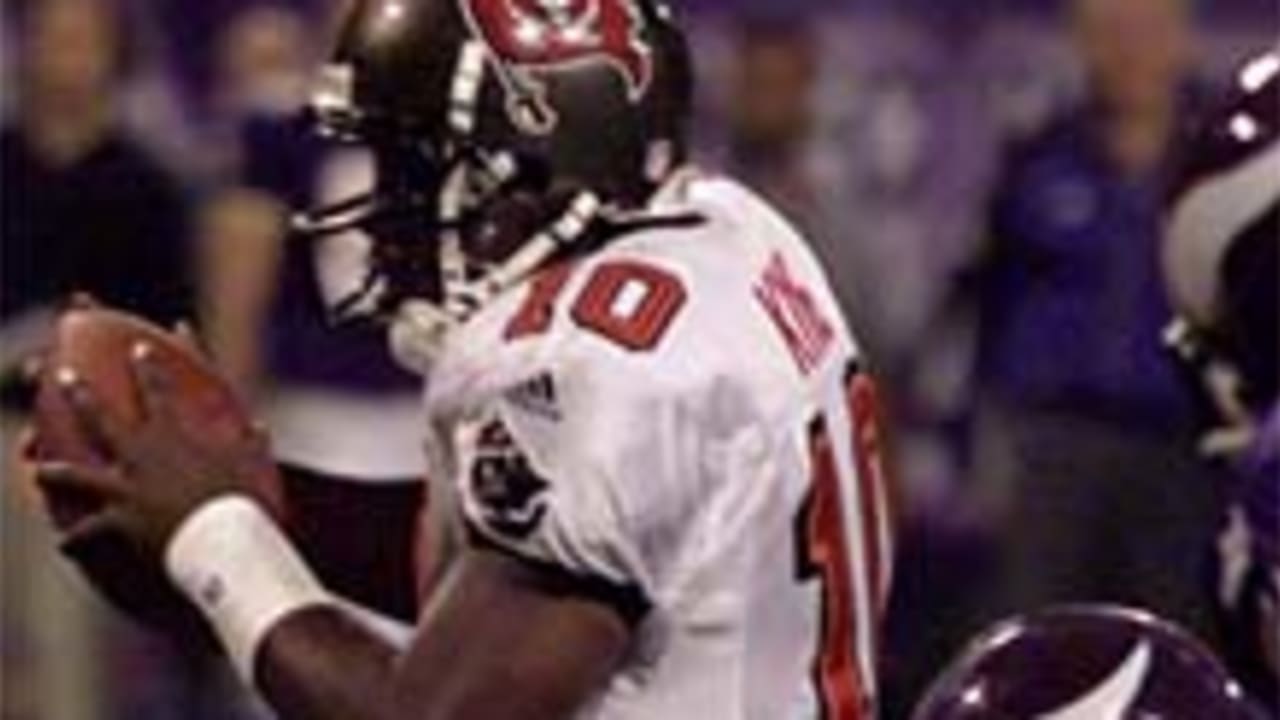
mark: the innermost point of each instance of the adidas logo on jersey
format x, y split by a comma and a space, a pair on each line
536, 396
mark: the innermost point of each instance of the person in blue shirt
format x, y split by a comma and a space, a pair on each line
1084, 419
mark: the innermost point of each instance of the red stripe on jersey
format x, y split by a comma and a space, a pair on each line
868, 453
824, 554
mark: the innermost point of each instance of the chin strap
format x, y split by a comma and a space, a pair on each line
421, 328
470, 182
562, 233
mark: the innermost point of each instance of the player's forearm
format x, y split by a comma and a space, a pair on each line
500, 640
283, 632
321, 664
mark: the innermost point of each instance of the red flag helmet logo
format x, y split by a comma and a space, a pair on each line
528, 37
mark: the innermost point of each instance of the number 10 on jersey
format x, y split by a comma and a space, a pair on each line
853, 569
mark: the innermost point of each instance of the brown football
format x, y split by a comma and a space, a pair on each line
96, 343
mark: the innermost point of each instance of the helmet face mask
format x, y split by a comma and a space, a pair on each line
492, 157
399, 216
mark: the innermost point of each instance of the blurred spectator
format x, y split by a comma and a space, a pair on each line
344, 419
86, 207
1084, 423
263, 60
264, 309
839, 150
780, 144
771, 114
264, 63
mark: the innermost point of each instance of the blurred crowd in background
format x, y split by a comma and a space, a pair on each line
983, 180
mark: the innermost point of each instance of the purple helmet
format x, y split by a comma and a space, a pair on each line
1086, 663
1222, 246
1222, 267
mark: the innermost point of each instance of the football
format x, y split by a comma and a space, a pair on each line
96, 343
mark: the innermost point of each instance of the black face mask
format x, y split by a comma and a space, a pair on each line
501, 201
400, 215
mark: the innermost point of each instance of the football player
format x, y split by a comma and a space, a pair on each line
1222, 267
652, 439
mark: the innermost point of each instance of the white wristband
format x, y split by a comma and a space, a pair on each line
235, 564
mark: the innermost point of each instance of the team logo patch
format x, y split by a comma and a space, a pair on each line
529, 37
510, 493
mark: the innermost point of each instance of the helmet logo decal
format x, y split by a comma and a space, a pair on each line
528, 37
1112, 698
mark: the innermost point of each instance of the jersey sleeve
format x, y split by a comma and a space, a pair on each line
586, 475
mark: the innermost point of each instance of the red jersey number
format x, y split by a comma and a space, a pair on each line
824, 553
538, 310
630, 303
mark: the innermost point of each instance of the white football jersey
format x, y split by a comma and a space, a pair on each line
678, 422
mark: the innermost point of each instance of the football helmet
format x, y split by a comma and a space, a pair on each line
1222, 245
1086, 663
504, 133
1222, 267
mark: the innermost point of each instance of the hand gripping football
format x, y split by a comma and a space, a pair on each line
96, 343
